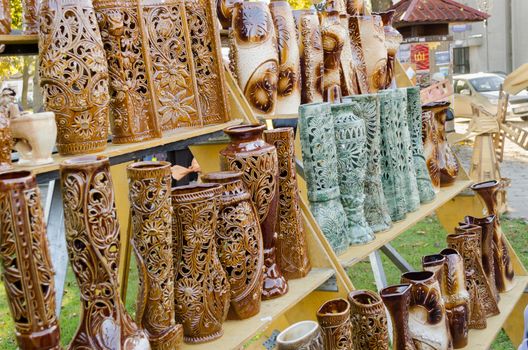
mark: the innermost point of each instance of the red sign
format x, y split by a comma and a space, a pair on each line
420, 56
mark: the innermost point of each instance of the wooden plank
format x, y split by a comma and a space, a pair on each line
18, 39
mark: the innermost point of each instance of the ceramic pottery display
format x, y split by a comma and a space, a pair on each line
305, 335
6, 139
92, 237
239, 243
169, 63
445, 162
427, 314
29, 17
350, 139
333, 35
316, 127
208, 64
150, 191
397, 299
292, 248
133, 114
456, 297
258, 163
254, 59
224, 12
74, 75
393, 39
334, 320
369, 321
355, 7
201, 287
289, 84
348, 83
5, 17
367, 107
312, 58
430, 142
414, 122
359, 67
504, 274
26, 264
35, 136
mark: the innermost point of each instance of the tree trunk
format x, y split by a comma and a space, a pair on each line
25, 82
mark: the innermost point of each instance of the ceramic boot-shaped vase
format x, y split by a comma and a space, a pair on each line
397, 299
201, 288
369, 321
26, 264
350, 139
316, 127
334, 319
258, 163
435, 263
334, 36
150, 190
312, 58
304, 335
92, 236
367, 107
5, 143
239, 243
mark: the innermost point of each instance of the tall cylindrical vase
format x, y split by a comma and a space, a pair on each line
334, 320
350, 138
201, 288
26, 264
312, 58
359, 68
316, 127
369, 321
258, 163
333, 35
74, 75
292, 248
92, 236
430, 143
150, 189
239, 243
397, 300
6, 141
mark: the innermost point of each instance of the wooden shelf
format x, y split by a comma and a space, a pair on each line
481, 339
357, 253
18, 39
237, 333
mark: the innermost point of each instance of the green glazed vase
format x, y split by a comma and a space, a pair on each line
367, 107
414, 122
351, 138
316, 129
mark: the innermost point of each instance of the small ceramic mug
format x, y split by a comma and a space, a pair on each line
304, 335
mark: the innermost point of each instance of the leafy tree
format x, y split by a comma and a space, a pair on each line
300, 4
16, 14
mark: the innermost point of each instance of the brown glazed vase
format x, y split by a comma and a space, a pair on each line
456, 297
239, 243
334, 320
304, 335
430, 142
224, 12
333, 35
435, 263
359, 67
292, 248
257, 161
6, 141
504, 274
312, 57
396, 299
150, 201
5, 17
92, 237
26, 264
74, 75
427, 315
201, 288
369, 321
30, 17
393, 39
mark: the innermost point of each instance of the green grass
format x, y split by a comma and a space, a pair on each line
427, 237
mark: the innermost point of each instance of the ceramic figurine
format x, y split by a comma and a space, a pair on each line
304, 335
369, 321
359, 67
30, 25
334, 320
5, 17
333, 37
372, 44
393, 39
224, 12
6, 139
397, 299
312, 58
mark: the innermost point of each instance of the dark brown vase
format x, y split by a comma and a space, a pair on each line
292, 249
334, 320
5, 143
239, 243
369, 321
258, 163
26, 264
504, 274
435, 264
92, 236
149, 184
201, 288
397, 299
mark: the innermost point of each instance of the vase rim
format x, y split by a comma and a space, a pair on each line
243, 129
474, 220
395, 290
16, 177
437, 104
223, 176
433, 259
194, 188
357, 297
484, 185
420, 276
279, 130
305, 328
148, 165
356, 97
449, 251
343, 307
87, 160
468, 228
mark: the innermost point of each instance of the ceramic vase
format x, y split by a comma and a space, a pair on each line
504, 274
312, 58
6, 139
292, 248
201, 287
35, 135
333, 38
316, 127
304, 335
5, 17
414, 123
350, 138
435, 263
393, 39
134, 117
224, 12
428, 330
27, 272
289, 83
367, 107
359, 67
30, 25
355, 7
334, 320
456, 297
149, 191
430, 142
258, 163
92, 237
369, 321
397, 299
239, 243
254, 59
348, 85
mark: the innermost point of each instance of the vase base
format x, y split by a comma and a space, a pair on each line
204, 339
381, 227
171, 339
361, 235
